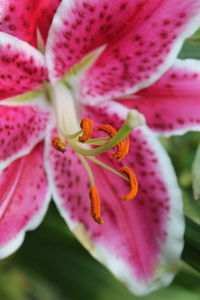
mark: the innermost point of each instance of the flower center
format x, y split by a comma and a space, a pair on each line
78, 135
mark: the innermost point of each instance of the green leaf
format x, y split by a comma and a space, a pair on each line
196, 175
13, 284
191, 253
191, 47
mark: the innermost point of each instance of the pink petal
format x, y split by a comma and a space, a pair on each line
22, 67
144, 53
20, 18
22, 126
24, 199
80, 27
138, 242
46, 14
172, 104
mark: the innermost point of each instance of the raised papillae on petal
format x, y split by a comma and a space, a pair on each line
143, 53
19, 18
22, 126
172, 104
22, 67
137, 241
80, 27
24, 198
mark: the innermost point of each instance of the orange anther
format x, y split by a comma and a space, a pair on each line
58, 144
125, 150
127, 146
87, 126
111, 131
132, 181
95, 205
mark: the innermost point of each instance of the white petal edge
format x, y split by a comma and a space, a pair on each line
49, 57
40, 101
192, 65
164, 274
22, 46
56, 23
15, 243
178, 132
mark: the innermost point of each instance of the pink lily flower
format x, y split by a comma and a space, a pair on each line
142, 239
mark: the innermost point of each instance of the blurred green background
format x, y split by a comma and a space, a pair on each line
52, 265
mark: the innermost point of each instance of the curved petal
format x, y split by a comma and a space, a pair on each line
22, 67
24, 199
141, 56
22, 126
172, 104
80, 27
20, 19
46, 14
138, 242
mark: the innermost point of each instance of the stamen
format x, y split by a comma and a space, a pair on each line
95, 205
87, 126
94, 195
111, 131
133, 183
58, 144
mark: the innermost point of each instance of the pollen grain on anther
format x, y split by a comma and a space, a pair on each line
87, 127
58, 144
132, 182
95, 205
